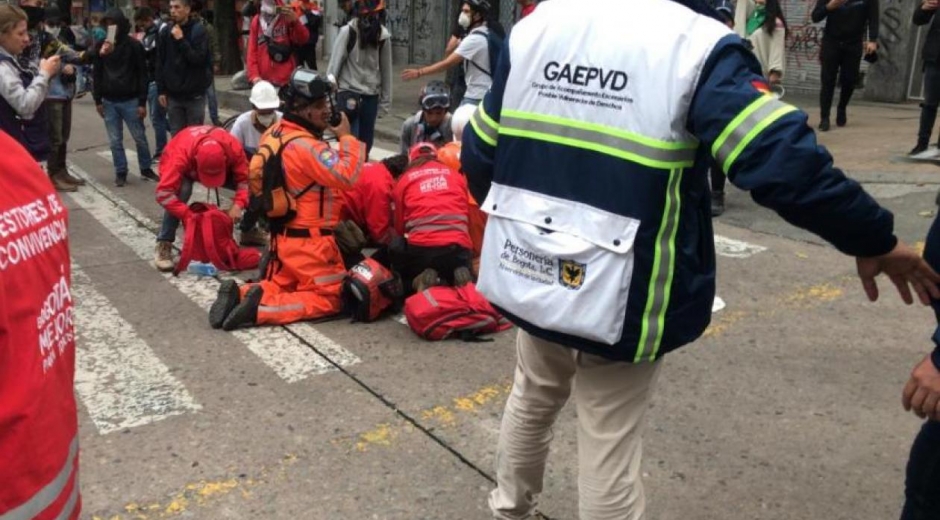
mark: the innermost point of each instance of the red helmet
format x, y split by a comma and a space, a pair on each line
421, 149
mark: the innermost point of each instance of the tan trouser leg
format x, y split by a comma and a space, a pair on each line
611, 414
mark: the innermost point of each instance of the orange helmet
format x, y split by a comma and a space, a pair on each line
449, 154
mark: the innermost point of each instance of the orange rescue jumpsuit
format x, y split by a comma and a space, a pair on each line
308, 279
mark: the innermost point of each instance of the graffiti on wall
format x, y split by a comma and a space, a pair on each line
425, 48
804, 38
891, 48
399, 22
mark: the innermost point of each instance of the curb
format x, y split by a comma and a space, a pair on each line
388, 128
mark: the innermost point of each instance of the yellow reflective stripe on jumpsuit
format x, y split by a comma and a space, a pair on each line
747, 125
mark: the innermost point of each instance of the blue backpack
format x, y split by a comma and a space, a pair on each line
494, 45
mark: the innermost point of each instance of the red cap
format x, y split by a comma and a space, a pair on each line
210, 163
421, 149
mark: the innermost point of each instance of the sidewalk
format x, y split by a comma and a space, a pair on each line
388, 128
871, 148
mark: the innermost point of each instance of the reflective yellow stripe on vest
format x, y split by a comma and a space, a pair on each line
664, 266
50, 493
666, 155
745, 127
485, 127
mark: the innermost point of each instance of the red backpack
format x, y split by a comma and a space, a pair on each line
441, 312
209, 239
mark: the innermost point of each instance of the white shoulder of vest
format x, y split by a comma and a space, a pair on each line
610, 70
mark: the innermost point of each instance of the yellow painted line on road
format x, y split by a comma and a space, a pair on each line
803, 298
441, 416
201, 494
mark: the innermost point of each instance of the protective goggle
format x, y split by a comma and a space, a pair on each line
436, 101
310, 84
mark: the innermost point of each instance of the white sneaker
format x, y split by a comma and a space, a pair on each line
929, 154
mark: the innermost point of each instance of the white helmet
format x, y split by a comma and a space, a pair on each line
264, 96
460, 119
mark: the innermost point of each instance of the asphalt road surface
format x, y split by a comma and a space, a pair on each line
788, 408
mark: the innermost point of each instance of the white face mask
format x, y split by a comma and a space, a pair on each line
266, 120
464, 20
54, 31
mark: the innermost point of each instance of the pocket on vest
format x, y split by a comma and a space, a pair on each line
558, 265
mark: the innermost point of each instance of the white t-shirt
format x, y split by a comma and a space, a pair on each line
246, 133
476, 54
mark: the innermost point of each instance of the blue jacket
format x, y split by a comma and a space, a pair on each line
763, 145
932, 256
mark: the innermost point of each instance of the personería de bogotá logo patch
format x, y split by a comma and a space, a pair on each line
571, 274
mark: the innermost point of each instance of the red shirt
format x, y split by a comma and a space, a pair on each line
431, 206
369, 202
38, 421
179, 162
527, 10
260, 64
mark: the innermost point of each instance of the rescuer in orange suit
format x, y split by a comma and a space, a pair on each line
305, 275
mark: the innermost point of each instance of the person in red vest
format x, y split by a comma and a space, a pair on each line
273, 40
38, 419
211, 156
369, 202
430, 215
526, 7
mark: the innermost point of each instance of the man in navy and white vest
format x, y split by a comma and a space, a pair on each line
591, 152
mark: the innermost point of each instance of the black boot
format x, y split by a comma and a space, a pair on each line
227, 299
824, 125
928, 116
841, 117
718, 203
246, 312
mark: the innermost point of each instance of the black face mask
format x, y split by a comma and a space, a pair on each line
35, 15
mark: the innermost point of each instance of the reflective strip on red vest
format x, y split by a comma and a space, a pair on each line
52, 492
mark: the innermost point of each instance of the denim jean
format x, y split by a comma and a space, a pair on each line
363, 126
213, 101
183, 112
170, 223
116, 113
161, 127
922, 488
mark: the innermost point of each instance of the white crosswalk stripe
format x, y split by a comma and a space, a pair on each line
118, 377
290, 358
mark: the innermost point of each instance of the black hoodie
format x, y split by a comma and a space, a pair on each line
122, 74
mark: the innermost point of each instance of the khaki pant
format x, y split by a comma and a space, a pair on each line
611, 398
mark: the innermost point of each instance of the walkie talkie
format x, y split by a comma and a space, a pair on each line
336, 116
